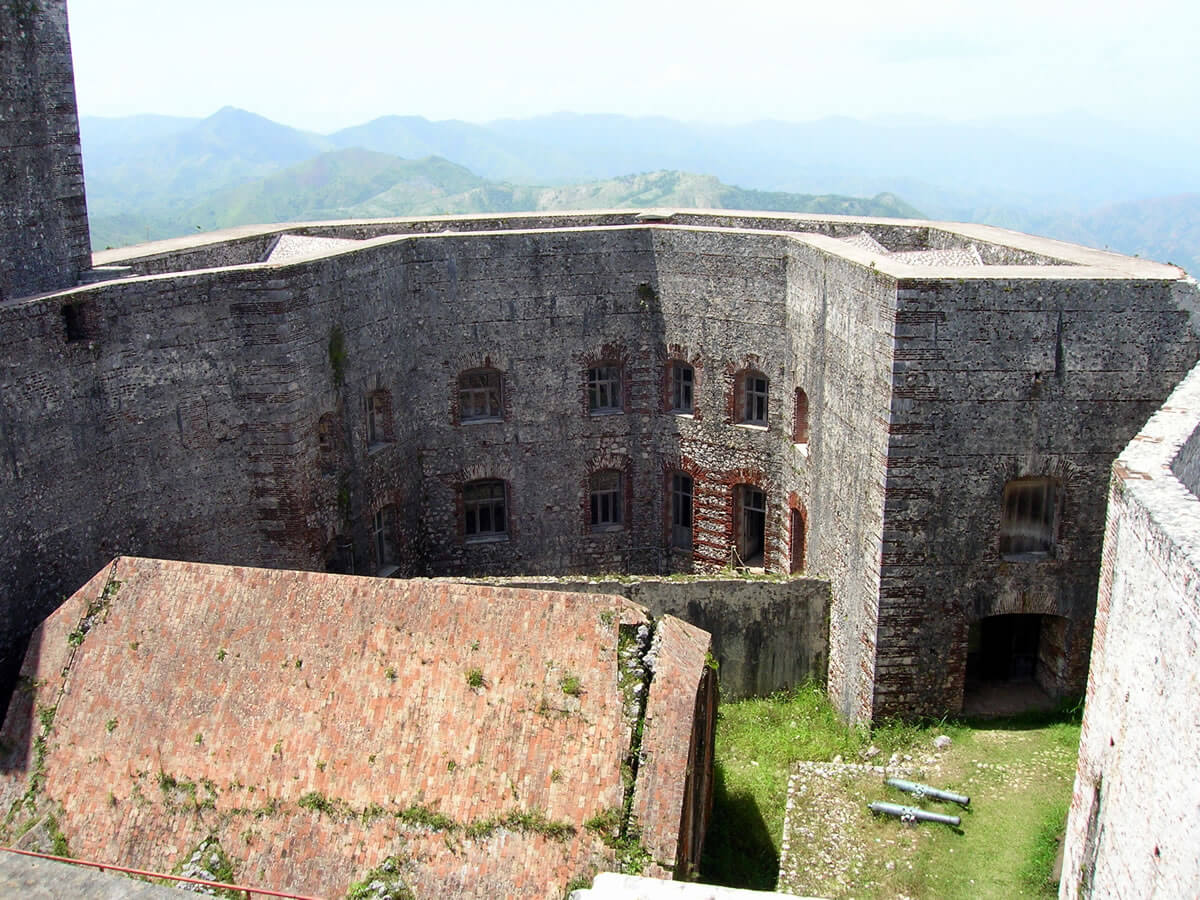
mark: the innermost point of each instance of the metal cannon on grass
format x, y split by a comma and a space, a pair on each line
913, 814
923, 790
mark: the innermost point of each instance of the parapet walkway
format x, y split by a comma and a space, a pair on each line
42, 879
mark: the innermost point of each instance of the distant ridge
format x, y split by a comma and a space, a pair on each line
1071, 177
356, 183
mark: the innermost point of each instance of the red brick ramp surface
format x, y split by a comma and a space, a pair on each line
317, 725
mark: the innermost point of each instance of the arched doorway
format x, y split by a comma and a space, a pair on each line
1015, 663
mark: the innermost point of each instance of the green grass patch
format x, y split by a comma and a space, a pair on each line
1018, 773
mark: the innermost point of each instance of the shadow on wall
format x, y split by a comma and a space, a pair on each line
767, 635
17, 696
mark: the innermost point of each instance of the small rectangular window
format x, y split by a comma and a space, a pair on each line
378, 414
1029, 519
605, 500
681, 511
682, 383
754, 407
484, 510
75, 322
604, 389
479, 396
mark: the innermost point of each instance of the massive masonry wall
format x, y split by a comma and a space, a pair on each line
221, 414
160, 430
998, 380
1134, 824
44, 243
840, 324
541, 308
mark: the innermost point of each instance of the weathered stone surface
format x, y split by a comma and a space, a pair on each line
44, 243
299, 716
767, 636
223, 410
1135, 823
43, 879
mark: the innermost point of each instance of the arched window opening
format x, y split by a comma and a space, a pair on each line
799, 541
1029, 519
485, 510
750, 524
604, 389
800, 421
379, 418
481, 396
681, 385
383, 537
752, 407
605, 500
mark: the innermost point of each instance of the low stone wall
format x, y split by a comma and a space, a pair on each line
767, 635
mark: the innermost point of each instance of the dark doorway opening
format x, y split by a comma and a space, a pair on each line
1003, 648
752, 525
1015, 663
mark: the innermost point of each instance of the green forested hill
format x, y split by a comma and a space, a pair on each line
1076, 179
357, 183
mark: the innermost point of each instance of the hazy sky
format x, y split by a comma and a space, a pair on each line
325, 65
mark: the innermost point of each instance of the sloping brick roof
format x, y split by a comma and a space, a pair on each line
294, 714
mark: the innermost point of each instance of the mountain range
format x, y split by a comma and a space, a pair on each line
1082, 180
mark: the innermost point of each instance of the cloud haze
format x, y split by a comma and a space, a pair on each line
323, 65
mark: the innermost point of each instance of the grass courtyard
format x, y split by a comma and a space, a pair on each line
1018, 773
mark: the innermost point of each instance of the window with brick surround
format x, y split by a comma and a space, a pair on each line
681, 381
604, 389
379, 418
752, 398
383, 537
485, 510
681, 510
481, 396
1029, 518
799, 541
605, 500
800, 420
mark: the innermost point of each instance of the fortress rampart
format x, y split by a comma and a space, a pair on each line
1134, 828
302, 396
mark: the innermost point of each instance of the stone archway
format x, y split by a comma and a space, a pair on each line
1015, 662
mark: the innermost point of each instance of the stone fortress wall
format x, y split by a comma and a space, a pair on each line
1134, 824
44, 241
213, 402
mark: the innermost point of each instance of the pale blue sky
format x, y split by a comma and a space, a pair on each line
333, 63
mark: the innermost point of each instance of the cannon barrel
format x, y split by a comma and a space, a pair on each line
911, 812
924, 790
